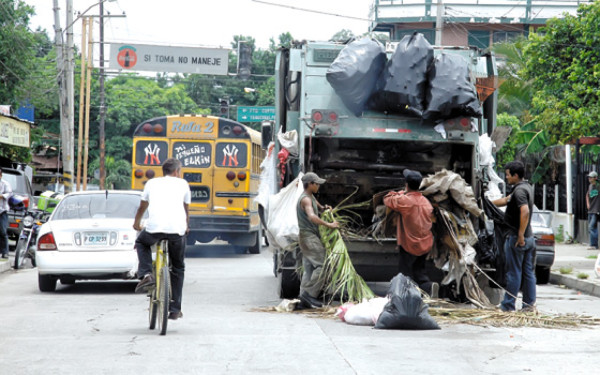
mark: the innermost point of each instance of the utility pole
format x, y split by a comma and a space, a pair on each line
68, 132
439, 23
102, 106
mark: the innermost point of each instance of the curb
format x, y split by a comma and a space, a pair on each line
585, 286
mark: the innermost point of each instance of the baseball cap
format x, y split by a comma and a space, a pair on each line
593, 174
413, 178
312, 177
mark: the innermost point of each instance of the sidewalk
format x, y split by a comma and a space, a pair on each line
7, 264
575, 256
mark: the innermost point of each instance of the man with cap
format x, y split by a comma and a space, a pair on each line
309, 239
413, 229
593, 206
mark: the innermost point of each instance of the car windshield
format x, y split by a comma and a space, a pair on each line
97, 206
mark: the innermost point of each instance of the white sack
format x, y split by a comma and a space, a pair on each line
289, 140
268, 174
282, 222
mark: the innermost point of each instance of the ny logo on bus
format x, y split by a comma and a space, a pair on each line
153, 154
230, 156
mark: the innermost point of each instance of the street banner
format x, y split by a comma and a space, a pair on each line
137, 57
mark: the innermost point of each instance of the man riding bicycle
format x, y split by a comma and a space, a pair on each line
167, 200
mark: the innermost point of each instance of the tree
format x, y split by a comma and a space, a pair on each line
563, 62
16, 48
342, 36
118, 172
509, 149
515, 92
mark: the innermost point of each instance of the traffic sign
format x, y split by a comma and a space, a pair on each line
255, 114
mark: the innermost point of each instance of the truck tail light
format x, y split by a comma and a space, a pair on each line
317, 116
333, 117
47, 242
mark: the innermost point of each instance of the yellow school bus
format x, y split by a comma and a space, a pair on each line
220, 160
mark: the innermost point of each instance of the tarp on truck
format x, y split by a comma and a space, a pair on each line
354, 73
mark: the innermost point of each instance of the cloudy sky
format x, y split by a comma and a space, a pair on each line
203, 23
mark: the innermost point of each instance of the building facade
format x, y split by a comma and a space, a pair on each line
479, 23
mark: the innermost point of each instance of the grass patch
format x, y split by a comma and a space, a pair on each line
591, 256
565, 270
582, 275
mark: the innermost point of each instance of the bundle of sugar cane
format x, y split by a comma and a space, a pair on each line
340, 275
497, 318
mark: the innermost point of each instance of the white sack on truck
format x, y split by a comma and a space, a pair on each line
450, 92
355, 71
266, 187
401, 86
282, 223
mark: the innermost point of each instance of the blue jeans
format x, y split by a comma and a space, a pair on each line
519, 267
3, 233
593, 228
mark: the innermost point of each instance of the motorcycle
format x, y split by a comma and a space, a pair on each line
26, 245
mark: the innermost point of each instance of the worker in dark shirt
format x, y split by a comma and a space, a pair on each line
519, 245
592, 201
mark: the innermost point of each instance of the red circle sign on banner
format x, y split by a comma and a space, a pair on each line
127, 58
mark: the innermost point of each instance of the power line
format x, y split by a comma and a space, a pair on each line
311, 10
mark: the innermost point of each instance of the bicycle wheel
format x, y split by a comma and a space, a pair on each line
21, 252
153, 310
164, 296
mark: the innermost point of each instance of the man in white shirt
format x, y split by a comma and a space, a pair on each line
167, 200
5, 193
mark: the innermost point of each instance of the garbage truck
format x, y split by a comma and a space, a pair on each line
362, 154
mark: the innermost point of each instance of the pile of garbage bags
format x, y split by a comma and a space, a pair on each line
402, 308
412, 82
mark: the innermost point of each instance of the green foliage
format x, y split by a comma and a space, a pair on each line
118, 173
565, 270
17, 50
582, 275
563, 63
508, 150
515, 92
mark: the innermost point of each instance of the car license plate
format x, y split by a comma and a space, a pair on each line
95, 238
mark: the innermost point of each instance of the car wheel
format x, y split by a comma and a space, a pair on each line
542, 275
46, 283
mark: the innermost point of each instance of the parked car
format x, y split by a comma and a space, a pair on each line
21, 187
89, 236
544, 243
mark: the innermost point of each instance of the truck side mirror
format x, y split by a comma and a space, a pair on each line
266, 131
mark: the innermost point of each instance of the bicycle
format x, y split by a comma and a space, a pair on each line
161, 294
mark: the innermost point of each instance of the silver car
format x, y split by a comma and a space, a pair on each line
90, 235
544, 244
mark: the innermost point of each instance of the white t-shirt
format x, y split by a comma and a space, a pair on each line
165, 197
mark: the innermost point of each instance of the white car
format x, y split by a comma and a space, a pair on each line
89, 236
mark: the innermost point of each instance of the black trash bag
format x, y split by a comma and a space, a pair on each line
402, 86
406, 309
353, 74
501, 230
486, 243
450, 92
